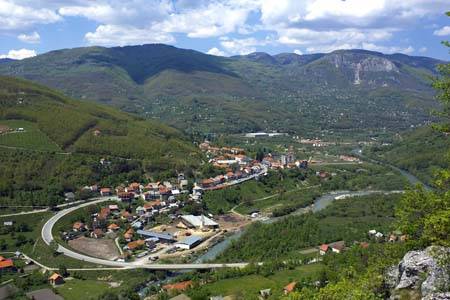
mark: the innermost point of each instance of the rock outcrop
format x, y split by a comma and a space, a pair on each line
424, 271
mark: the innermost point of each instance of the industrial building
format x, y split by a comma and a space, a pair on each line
189, 242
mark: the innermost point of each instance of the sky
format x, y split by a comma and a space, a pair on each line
226, 27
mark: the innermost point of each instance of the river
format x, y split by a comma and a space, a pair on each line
319, 204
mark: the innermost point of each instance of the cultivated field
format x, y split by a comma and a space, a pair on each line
30, 138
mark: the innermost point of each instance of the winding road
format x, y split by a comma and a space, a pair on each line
47, 237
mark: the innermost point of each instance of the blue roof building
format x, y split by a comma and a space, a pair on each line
189, 242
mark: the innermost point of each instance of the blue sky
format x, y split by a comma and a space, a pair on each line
226, 27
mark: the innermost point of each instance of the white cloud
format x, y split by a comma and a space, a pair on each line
444, 31
243, 46
216, 51
14, 16
319, 25
387, 49
32, 38
423, 49
138, 13
214, 19
298, 52
113, 35
326, 41
19, 54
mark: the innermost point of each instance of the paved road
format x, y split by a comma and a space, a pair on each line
48, 238
37, 211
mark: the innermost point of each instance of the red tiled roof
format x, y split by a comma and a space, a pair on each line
179, 286
135, 244
324, 247
290, 287
55, 276
6, 263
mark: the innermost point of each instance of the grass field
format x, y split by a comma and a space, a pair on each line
35, 247
248, 287
30, 138
76, 289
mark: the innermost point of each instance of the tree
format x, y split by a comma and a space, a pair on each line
54, 246
63, 271
425, 215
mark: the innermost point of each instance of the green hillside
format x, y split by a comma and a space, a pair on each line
422, 152
52, 144
346, 90
72, 125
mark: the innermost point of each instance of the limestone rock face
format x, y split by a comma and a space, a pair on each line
423, 271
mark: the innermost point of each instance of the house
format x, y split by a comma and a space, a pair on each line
372, 232
189, 242
206, 183
97, 132
128, 235
264, 294
8, 223
392, 238
97, 233
197, 189
323, 174
94, 188
198, 222
140, 210
290, 287
105, 192
183, 183
78, 226
135, 245
152, 205
113, 227
43, 294
104, 213
125, 196
6, 264
56, 279
337, 247
179, 286
113, 207
126, 216
134, 187
323, 249
69, 196
378, 235
364, 245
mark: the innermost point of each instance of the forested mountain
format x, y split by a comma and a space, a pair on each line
342, 90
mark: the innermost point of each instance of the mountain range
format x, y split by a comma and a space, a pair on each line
345, 90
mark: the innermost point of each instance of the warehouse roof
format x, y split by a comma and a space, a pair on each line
161, 236
198, 221
191, 240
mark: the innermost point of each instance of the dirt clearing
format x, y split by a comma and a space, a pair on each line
101, 248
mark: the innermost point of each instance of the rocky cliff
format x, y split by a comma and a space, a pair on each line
422, 274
